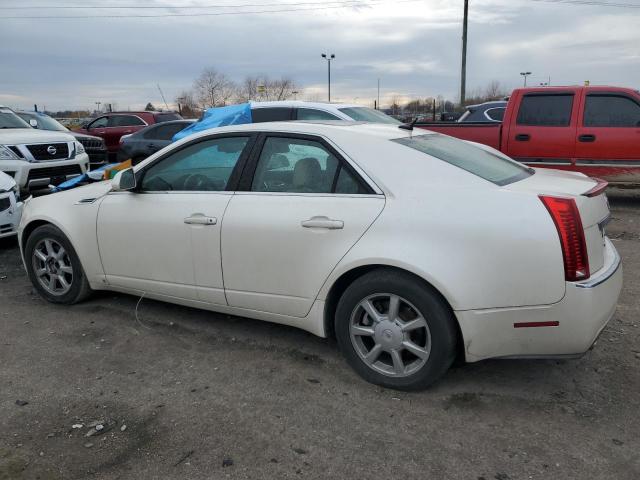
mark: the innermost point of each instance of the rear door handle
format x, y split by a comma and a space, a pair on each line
200, 219
587, 138
323, 222
523, 137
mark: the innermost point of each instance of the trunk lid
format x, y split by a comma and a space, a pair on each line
594, 210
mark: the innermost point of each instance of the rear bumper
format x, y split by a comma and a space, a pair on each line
581, 315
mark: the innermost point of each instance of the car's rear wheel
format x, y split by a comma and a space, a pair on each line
54, 267
395, 331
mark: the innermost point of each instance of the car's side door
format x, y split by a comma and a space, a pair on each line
98, 127
608, 137
164, 237
301, 207
120, 125
544, 131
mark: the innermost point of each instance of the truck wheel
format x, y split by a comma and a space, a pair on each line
395, 331
54, 267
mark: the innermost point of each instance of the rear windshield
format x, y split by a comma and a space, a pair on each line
167, 117
468, 157
366, 114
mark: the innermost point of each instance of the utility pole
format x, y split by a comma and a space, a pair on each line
463, 75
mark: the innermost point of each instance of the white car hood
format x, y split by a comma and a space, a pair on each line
6, 182
16, 136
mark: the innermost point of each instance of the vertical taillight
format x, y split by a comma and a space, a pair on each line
566, 216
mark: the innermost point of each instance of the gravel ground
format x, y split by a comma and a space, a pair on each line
182, 393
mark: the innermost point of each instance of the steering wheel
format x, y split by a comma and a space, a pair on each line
197, 181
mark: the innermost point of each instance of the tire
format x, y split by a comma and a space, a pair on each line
424, 320
61, 263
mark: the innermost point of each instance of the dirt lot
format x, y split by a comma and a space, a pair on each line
188, 394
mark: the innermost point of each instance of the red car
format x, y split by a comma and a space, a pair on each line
111, 126
593, 130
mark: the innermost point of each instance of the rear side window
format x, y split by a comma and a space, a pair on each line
166, 117
546, 110
611, 111
279, 114
125, 121
165, 132
468, 157
313, 114
495, 114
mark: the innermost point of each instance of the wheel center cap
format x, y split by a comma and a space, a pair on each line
389, 335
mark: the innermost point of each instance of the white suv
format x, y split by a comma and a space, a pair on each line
10, 206
38, 158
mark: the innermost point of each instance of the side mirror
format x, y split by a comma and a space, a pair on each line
85, 126
33, 122
124, 180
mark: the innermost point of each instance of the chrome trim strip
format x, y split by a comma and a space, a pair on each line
617, 261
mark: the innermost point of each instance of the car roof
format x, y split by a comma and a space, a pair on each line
318, 127
303, 104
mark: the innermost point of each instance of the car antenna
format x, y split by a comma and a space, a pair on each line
408, 126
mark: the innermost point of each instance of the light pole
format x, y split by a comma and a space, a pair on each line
328, 58
525, 75
295, 94
98, 104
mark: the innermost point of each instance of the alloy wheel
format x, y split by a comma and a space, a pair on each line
52, 267
390, 335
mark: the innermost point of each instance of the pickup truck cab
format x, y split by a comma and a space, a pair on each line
36, 159
593, 130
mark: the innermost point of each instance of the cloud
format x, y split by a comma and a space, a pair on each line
413, 47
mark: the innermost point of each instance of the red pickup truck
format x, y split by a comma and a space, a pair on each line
593, 130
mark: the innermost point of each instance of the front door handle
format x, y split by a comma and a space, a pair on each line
587, 138
523, 137
323, 222
200, 219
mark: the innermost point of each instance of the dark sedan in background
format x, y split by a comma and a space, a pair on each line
94, 146
149, 140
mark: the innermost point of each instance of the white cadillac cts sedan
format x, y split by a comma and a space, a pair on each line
410, 248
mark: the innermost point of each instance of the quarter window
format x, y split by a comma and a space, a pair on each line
611, 111
546, 110
301, 166
204, 166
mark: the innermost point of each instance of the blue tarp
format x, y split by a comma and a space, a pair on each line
218, 117
92, 176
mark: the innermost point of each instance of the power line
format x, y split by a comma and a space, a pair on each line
173, 7
339, 4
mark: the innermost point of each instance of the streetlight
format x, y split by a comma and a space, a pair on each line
98, 104
328, 58
295, 94
525, 75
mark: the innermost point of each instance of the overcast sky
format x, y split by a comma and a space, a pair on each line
412, 46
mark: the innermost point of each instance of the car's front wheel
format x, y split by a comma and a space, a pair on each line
54, 267
395, 331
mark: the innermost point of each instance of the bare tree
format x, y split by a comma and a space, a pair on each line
213, 89
263, 88
495, 91
187, 104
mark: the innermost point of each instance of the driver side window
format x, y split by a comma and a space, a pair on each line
203, 166
99, 123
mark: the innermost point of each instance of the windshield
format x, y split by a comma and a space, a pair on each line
468, 157
9, 119
366, 114
44, 122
